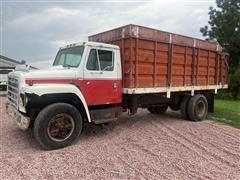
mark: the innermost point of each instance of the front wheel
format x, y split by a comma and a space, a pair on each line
57, 125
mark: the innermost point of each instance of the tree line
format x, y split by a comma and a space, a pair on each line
224, 26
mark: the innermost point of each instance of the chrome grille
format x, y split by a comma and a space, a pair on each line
13, 86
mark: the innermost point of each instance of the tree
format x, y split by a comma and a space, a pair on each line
224, 26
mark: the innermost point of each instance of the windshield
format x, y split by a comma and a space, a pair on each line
70, 57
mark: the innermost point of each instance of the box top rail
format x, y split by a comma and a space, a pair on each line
141, 32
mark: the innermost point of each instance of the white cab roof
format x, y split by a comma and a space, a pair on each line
90, 43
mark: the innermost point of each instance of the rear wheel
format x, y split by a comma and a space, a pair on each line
184, 107
197, 108
58, 125
152, 110
158, 109
174, 107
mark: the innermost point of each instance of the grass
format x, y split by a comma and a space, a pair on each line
227, 112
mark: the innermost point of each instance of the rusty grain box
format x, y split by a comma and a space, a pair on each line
153, 58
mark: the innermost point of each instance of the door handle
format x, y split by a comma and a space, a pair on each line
101, 72
115, 85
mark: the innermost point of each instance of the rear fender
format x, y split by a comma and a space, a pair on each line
43, 89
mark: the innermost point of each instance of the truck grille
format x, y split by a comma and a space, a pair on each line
13, 86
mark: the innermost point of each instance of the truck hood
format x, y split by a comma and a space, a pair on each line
55, 72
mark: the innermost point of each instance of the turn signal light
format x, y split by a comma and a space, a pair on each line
29, 82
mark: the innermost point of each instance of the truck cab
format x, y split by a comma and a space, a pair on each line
84, 84
98, 71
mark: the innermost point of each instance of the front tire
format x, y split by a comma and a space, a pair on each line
57, 125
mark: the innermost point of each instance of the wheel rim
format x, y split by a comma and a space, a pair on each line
60, 127
200, 109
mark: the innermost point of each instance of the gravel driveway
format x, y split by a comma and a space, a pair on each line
143, 146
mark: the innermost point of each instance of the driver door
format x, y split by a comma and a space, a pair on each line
101, 84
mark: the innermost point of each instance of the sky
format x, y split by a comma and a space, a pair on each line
34, 30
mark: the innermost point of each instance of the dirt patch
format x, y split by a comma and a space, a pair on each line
136, 147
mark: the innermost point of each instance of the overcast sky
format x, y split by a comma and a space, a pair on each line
34, 31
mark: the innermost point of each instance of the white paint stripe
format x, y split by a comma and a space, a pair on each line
59, 78
172, 89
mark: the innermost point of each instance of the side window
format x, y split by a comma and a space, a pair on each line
105, 60
92, 63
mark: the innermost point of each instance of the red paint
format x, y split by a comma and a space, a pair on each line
95, 92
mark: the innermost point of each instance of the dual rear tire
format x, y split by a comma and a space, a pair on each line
194, 108
158, 109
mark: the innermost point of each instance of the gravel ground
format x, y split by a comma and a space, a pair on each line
143, 146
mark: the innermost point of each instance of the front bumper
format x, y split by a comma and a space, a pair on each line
22, 121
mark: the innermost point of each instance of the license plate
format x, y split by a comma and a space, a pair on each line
21, 120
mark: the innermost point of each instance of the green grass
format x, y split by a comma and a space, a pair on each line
226, 111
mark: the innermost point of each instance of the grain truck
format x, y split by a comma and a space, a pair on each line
117, 71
